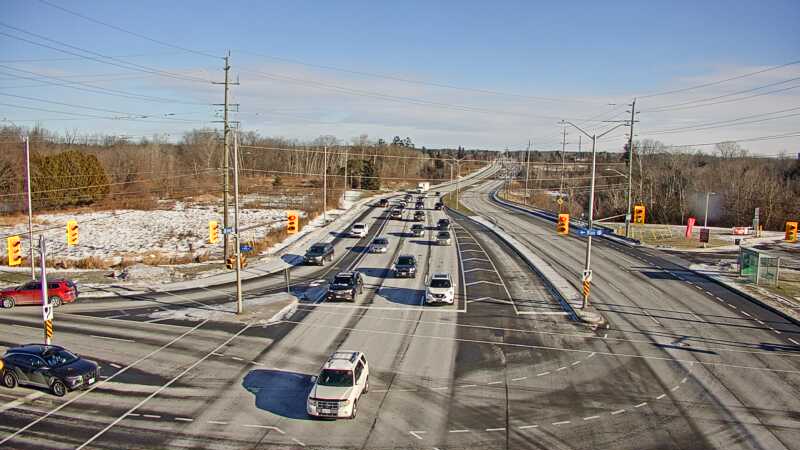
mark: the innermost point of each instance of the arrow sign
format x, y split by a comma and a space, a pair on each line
245, 248
227, 230
592, 232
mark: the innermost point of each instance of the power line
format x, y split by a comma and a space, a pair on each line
714, 83
94, 116
753, 139
132, 33
692, 103
728, 122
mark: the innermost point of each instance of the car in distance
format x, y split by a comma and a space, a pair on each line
417, 230
59, 291
438, 206
405, 266
358, 230
383, 203
419, 205
337, 389
396, 213
444, 238
419, 216
346, 286
443, 224
379, 245
440, 289
47, 366
408, 197
319, 253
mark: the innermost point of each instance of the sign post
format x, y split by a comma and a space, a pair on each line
47, 308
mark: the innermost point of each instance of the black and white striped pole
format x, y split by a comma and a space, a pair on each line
47, 308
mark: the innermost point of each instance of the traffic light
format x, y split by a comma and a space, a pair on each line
563, 224
72, 232
230, 263
638, 214
213, 232
791, 231
292, 222
14, 244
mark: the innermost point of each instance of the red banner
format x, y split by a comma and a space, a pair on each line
689, 226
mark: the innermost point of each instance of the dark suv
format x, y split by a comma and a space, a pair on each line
59, 291
419, 216
383, 203
443, 224
346, 286
405, 266
47, 366
319, 253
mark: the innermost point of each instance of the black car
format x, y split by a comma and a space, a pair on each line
346, 286
438, 205
405, 266
383, 203
417, 230
419, 205
419, 216
47, 366
319, 253
443, 224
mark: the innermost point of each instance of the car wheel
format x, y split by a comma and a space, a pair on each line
9, 380
355, 409
55, 301
58, 388
8, 302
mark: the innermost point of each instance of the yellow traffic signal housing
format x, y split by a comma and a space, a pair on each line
213, 232
791, 231
638, 214
72, 232
14, 244
243, 262
292, 222
563, 224
230, 263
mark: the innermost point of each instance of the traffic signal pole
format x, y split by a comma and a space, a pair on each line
237, 238
30, 207
630, 170
47, 308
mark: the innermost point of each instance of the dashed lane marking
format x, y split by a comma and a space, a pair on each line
619, 411
576, 363
675, 388
237, 358
640, 405
494, 382
459, 431
684, 379
116, 366
563, 422
561, 368
495, 429
591, 417
776, 331
543, 374
746, 313
468, 385
519, 379
661, 396
183, 419
151, 416
298, 442
217, 422
762, 323
793, 341
525, 427
416, 434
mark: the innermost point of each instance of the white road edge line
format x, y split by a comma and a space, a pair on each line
111, 338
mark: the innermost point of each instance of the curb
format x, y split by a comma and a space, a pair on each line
285, 313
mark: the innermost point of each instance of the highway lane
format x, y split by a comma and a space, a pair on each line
738, 396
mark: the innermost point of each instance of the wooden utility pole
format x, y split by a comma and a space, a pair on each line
226, 158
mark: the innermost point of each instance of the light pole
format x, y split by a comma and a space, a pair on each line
325, 185
630, 169
237, 237
587, 272
705, 222
527, 171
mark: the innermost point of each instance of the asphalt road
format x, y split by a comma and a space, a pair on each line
504, 367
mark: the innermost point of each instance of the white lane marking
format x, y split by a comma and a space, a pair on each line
591, 417
440, 388
519, 379
183, 419
661, 396
266, 427
590, 355
689, 282
160, 389
576, 363
494, 382
116, 366
746, 313
732, 306
478, 268
605, 336
299, 442
564, 422
217, 422
134, 415
762, 323
543, 374
794, 342
776, 331
459, 431
416, 434
675, 388
698, 287
561, 368
111, 338
468, 385
77, 397
719, 298
684, 379
483, 281
237, 358
217, 354
640, 405
495, 429
151, 416
30, 397
525, 427
619, 411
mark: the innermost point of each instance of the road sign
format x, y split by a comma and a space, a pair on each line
245, 248
560, 201
704, 232
587, 275
593, 232
227, 230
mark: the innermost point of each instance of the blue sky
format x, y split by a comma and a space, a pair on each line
580, 55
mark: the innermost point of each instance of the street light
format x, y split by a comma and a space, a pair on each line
705, 222
587, 273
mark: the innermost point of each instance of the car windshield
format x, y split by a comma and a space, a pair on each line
444, 221
359, 226
440, 283
380, 241
59, 358
405, 261
417, 227
341, 279
444, 235
316, 250
339, 378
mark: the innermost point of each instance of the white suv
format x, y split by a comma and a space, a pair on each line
440, 289
358, 230
339, 385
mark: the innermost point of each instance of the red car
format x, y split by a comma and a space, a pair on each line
60, 291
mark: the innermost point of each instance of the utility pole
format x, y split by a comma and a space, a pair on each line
630, 170
527, 170
580, 154
226, 156
325, 185
346, 187
563, 148
237, 237
30, 206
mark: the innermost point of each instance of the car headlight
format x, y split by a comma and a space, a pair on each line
345, 402
312, 402
72, 381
